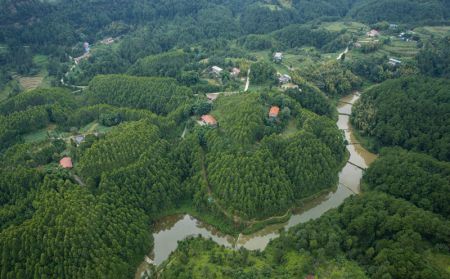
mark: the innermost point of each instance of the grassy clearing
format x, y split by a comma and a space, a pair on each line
290, 129
350, 26
442, 261
31, 82
38, 136
94, 127
41, 61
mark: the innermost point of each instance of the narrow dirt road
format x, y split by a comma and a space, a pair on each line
247, 84
342, 53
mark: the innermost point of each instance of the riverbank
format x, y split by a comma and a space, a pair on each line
367, 143
182, 226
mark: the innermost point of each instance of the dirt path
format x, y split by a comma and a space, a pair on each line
342, 53
184, 132
247, 84
78, 180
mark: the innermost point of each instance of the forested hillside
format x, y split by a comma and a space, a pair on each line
418, 178
128, 125
408, 112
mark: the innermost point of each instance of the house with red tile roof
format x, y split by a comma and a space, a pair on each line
273, 112
209, 120
66, 163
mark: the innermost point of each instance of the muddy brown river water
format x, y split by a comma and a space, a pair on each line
171, 229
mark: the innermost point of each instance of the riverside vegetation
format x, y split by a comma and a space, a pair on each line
136, 102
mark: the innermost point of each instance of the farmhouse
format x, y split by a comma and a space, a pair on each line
235, 72
373, 33
107, 41
278, 56
284, 79
209, 120
394, 62
273, 112
78, 139
66, 162
216, 70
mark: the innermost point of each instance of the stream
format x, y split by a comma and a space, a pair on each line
171, 229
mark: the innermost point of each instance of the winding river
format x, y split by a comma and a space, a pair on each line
171, 229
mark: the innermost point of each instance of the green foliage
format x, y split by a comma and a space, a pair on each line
303, 35
408, 112
38, 97
370, 236
400, 11
167, 64
418, 178
311, 98
434, 59
18, 123
71, 225
257, 42
331, 77
115, 150
262, 72
254, 172
159, 95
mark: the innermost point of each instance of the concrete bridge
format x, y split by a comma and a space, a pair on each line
359, 167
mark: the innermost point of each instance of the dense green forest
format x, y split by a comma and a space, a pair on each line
415, 177
121, 86
409, 112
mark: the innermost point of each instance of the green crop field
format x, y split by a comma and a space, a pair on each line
351, 27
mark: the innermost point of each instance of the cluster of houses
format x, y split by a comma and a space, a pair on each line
217, 71
407, 36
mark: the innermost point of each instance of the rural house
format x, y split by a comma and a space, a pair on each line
79, 139
284, 79
394, 62
278, 56
216, 70
235, 72
66, 163
209, 120
273, 112
373, 33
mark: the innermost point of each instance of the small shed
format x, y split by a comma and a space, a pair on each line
66, 163
274, 111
